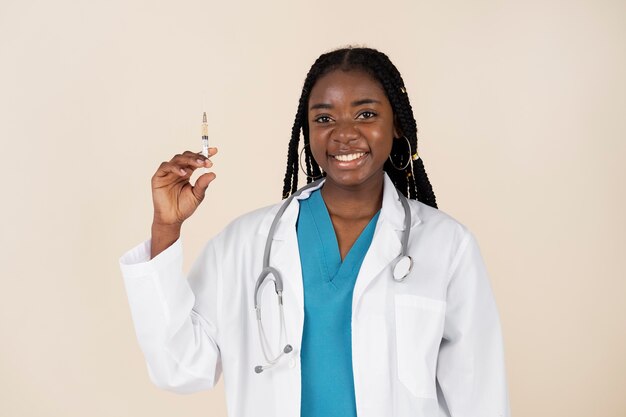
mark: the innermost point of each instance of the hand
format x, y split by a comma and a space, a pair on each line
173, 197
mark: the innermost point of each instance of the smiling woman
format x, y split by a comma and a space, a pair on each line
366, 81
351, 129
342, 334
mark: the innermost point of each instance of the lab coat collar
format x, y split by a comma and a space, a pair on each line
391, 211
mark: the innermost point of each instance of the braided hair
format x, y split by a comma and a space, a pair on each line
412, 181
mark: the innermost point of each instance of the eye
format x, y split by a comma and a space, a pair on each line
322, 119
366, 114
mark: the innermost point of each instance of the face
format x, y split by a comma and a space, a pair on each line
351, 128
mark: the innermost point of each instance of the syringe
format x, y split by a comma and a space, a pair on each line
205, 136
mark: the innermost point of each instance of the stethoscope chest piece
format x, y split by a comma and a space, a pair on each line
402, 268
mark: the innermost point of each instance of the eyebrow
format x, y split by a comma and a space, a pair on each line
353, 104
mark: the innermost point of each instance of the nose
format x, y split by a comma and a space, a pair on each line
345, 132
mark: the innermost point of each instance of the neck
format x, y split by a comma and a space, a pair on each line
360, 202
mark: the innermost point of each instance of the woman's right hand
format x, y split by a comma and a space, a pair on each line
174, 198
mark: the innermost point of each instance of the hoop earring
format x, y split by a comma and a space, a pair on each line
409, 161
302, 168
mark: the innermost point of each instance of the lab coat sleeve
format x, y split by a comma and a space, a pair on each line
175, 318
470, 368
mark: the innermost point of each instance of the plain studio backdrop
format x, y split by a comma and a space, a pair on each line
520, 107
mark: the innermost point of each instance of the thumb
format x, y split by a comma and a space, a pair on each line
202, 183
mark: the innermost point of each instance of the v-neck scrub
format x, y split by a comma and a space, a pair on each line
326, 351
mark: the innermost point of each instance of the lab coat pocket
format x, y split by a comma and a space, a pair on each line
419, 328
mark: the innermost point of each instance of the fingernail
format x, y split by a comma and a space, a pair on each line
200, 161
183, 172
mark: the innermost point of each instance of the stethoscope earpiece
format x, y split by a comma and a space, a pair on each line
260, 368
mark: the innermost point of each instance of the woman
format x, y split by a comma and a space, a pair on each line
385, 306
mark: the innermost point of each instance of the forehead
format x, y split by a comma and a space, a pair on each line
338, 85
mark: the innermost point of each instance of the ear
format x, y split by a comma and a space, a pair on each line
397, 133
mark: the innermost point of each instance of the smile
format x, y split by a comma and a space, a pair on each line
349, 157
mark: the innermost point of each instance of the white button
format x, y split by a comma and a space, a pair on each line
292, 363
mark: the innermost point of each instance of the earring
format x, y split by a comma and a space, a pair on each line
415, 157
302, 168
409, 160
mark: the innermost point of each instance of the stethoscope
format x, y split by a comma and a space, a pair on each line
401, 265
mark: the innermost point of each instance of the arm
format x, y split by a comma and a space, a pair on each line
470, 369
176, 324
175, 318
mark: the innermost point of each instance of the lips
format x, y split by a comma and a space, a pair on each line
349, 160
349, 157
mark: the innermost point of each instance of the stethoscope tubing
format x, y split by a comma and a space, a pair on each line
403, 260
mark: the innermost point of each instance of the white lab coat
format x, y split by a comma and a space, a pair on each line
429, 346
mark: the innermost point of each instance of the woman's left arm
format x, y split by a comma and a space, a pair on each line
470, 368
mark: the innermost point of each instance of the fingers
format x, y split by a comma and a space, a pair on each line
202, 183
189, 161
183, 165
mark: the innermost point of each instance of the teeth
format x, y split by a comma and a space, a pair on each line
350, 157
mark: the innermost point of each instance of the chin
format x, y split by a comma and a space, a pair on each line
352, 179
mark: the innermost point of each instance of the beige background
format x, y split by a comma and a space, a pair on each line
520, 106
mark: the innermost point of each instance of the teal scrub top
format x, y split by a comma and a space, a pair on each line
326, 351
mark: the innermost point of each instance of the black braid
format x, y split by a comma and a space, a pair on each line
413, 181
